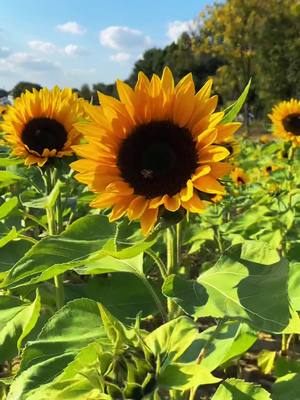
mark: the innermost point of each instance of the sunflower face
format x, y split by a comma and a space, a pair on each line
286, 120
239, 176
157, 158
40, 124
156, 149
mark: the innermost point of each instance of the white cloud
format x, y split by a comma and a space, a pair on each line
72, 27
74, 50
43, 47
176, 28
50, 48
123, 38
120, 57
27, 61
4, 51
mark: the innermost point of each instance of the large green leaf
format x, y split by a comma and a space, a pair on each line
56, 254
287, 387
232, 111
88, 246
123, 294
185, 376
73, 328
238, 288
236, 389
294, 284
17, 319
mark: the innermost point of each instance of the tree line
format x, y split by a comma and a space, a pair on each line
233, 41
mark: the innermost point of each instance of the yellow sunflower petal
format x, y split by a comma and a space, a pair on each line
208, 184
120, 208
172, 203
137, 207
187, 192
226, 132
213, 154
195, 205
220, 169
148, 220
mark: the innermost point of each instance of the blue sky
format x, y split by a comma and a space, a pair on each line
71, 42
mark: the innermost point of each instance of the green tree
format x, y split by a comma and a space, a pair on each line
85, 92
254, 39
181, 58
22, 86
3, 93
108, 89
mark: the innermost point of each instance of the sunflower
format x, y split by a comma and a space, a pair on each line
285, 117
155, 149
264, 139
40, 124
269, 169
239, 176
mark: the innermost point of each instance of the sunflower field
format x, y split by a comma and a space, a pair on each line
149, 245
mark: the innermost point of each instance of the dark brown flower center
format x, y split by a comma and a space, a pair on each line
240, 180
44, 133
157, 158
291, 123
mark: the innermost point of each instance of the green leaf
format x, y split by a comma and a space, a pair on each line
11, 253
100, 264
7, 161
8, 178
31, 319
185, 376
285, 365
73, 389
123, 294
17, 319
11, 235
7, 207
237, 288
56, 254
236, 389
114, 329
294, 284
220, 345
232, 111
52, 197
71, 329
259, 252
287, 387
170, 341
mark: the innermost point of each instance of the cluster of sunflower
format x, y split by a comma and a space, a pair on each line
159, 147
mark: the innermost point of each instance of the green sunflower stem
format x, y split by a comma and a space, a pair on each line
291, 153
173, 241
59, 291
55, 226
